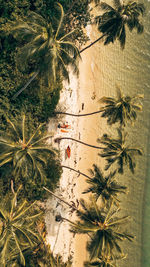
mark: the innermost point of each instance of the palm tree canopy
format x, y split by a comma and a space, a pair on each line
104, 261
106, 187
114, 19
57, 261
121, 109
25, 150
103, 226
19, 230
117, 151
46, 45
42, 256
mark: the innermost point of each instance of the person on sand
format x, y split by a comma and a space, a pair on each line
93, 96
64, 125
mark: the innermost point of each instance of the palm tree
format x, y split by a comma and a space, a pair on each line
105, 187
72, 206
47, 46
58, 139
57, 261
77, 171
104, 261
103, 227
117, 151
26, 151
113, 22
118, 109
121, 109
42, 256
19, 231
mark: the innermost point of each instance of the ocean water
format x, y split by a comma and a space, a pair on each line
130, 70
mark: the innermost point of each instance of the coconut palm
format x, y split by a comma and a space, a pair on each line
104, 261
47, 46
120, 109
103, 227
117, 151
105, 187
42, 256
26, 151
102, 186
57, 261
19, 232
113, 22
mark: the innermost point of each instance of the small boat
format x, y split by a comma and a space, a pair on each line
64, 126
68, 151
63, 131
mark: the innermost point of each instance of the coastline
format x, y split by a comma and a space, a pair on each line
83, 98
95, 78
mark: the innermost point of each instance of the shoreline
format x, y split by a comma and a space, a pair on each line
59, 236
92, 81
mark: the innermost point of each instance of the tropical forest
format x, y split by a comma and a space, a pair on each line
74, 133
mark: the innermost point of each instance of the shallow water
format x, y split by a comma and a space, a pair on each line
130, 69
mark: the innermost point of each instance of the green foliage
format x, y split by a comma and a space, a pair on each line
12, 79
32, 189
104, 261
42, 256
102, 186
103, 227
19, 231
26, 150
77, 15
121, 109
117, 151
47, 47
112, 23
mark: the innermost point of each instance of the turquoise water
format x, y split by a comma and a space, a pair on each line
130, 69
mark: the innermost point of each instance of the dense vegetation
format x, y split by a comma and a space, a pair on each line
37, 102
39, 39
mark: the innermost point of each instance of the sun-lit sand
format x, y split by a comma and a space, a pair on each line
99, 72
80, 96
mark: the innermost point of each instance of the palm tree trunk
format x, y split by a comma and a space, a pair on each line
80, 115
57, 140
97, 40
71, 206
65, 202
75, 171
26, 85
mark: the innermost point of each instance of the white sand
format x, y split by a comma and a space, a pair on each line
85, 90
59, 236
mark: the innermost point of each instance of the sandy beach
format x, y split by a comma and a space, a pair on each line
95, 80
88, 94
80, 96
